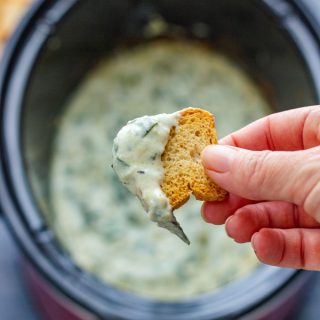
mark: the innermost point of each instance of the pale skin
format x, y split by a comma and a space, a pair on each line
271, 169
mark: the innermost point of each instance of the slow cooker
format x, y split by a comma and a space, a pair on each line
53, 48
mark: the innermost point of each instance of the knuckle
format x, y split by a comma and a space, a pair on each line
318, 126
309, 197
312, 252
302, 249
311, 128
311, 202
255, 170
315, 114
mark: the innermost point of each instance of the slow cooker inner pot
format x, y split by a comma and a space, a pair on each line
244, 31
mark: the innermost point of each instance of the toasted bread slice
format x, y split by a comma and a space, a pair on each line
183, 171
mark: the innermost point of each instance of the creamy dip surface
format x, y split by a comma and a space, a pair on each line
136, 158
104, 227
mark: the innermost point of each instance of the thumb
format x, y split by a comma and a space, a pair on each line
267, 175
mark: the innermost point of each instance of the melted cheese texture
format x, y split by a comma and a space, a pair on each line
97, 220
136, 158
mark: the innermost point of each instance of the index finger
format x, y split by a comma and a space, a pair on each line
217, 212
290, 130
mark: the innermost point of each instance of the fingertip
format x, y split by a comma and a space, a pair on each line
210, 214
234, 230
218, 158
254, 241
227, 227
241, 226
206, 155
268, 246
215, 212
260, 241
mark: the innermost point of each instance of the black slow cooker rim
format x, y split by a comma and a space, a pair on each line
307, 14
38, 16
292, 18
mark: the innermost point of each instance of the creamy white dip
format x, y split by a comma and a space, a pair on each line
136, 158
97, 220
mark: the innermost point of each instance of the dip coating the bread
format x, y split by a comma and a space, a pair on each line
158, 159
183, 172
136, 159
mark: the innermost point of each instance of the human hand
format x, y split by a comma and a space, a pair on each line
271, 169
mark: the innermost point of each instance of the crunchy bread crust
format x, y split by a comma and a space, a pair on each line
181, 159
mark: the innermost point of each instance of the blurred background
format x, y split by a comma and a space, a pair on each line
15, 301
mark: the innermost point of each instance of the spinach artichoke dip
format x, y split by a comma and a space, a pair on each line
102, 226
136, 159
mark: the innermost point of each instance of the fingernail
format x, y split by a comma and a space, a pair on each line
226, 226
218, 158
253, 238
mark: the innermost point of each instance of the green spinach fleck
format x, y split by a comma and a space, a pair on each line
149, 129
122, 162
